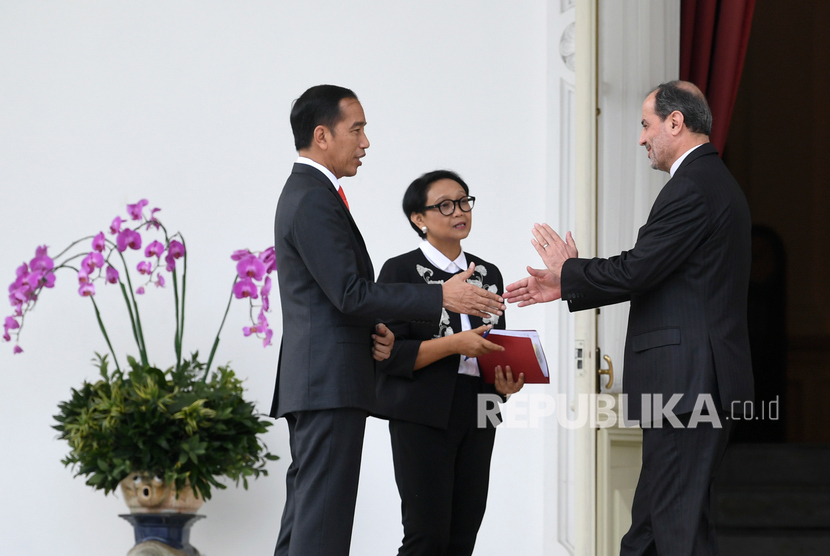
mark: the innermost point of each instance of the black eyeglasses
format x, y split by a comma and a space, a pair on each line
447, 207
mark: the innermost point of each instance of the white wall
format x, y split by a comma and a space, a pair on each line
186, 103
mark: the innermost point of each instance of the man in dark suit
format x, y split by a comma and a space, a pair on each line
330, 305
687, 278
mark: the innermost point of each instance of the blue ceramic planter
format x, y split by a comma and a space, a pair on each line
170, 529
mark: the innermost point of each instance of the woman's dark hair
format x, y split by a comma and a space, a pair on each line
415, 198
673, 96
319, 105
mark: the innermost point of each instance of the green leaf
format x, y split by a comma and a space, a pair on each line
168, 422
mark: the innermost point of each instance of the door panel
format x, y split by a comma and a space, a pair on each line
637, 49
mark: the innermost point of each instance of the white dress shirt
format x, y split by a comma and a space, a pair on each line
440, 261
680, 160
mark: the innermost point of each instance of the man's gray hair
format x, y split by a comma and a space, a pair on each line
678, 95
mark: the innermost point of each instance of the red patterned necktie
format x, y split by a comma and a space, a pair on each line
343, 196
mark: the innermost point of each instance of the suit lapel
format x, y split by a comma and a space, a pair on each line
323, 181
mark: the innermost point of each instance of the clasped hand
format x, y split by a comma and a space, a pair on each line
382, 341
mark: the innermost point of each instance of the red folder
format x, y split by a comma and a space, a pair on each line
519, 353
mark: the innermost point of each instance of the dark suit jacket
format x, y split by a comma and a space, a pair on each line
687, 279
330, 302
425, 396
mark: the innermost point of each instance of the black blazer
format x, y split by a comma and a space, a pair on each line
687, 278
425, 396
330, 302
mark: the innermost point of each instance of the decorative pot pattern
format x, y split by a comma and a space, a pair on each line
144, 493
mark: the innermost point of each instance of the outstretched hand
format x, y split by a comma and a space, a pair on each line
553, 250
543, 285
540, 287
462, 297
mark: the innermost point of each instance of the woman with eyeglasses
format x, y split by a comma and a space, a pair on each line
428, 388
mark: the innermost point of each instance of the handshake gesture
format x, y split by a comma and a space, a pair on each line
543, 285
463, 297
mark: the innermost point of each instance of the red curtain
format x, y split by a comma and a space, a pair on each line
713, 38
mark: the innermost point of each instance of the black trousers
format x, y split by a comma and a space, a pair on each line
443, 477
321, 482
670, 513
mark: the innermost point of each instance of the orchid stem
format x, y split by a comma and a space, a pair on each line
135, 318
177, 341
216, 341
132, 317
104, 332
180, 323
71, 245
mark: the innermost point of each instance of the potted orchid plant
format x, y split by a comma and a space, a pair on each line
184, 426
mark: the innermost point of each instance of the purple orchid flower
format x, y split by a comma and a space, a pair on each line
245, 288
159, 281
260, 326
174, 251
268, 335
115, 227
25, 284
269, 259
92, 261
153, 219
140, 290
128, 238
48, 280
112, 275
17, 349
18, 296
87, 289
32, 280
240, 254
41, 261
144, 267
99, 243
11, 324
154, 249
135, 210
250, 267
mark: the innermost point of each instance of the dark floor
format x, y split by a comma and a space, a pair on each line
773, 500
